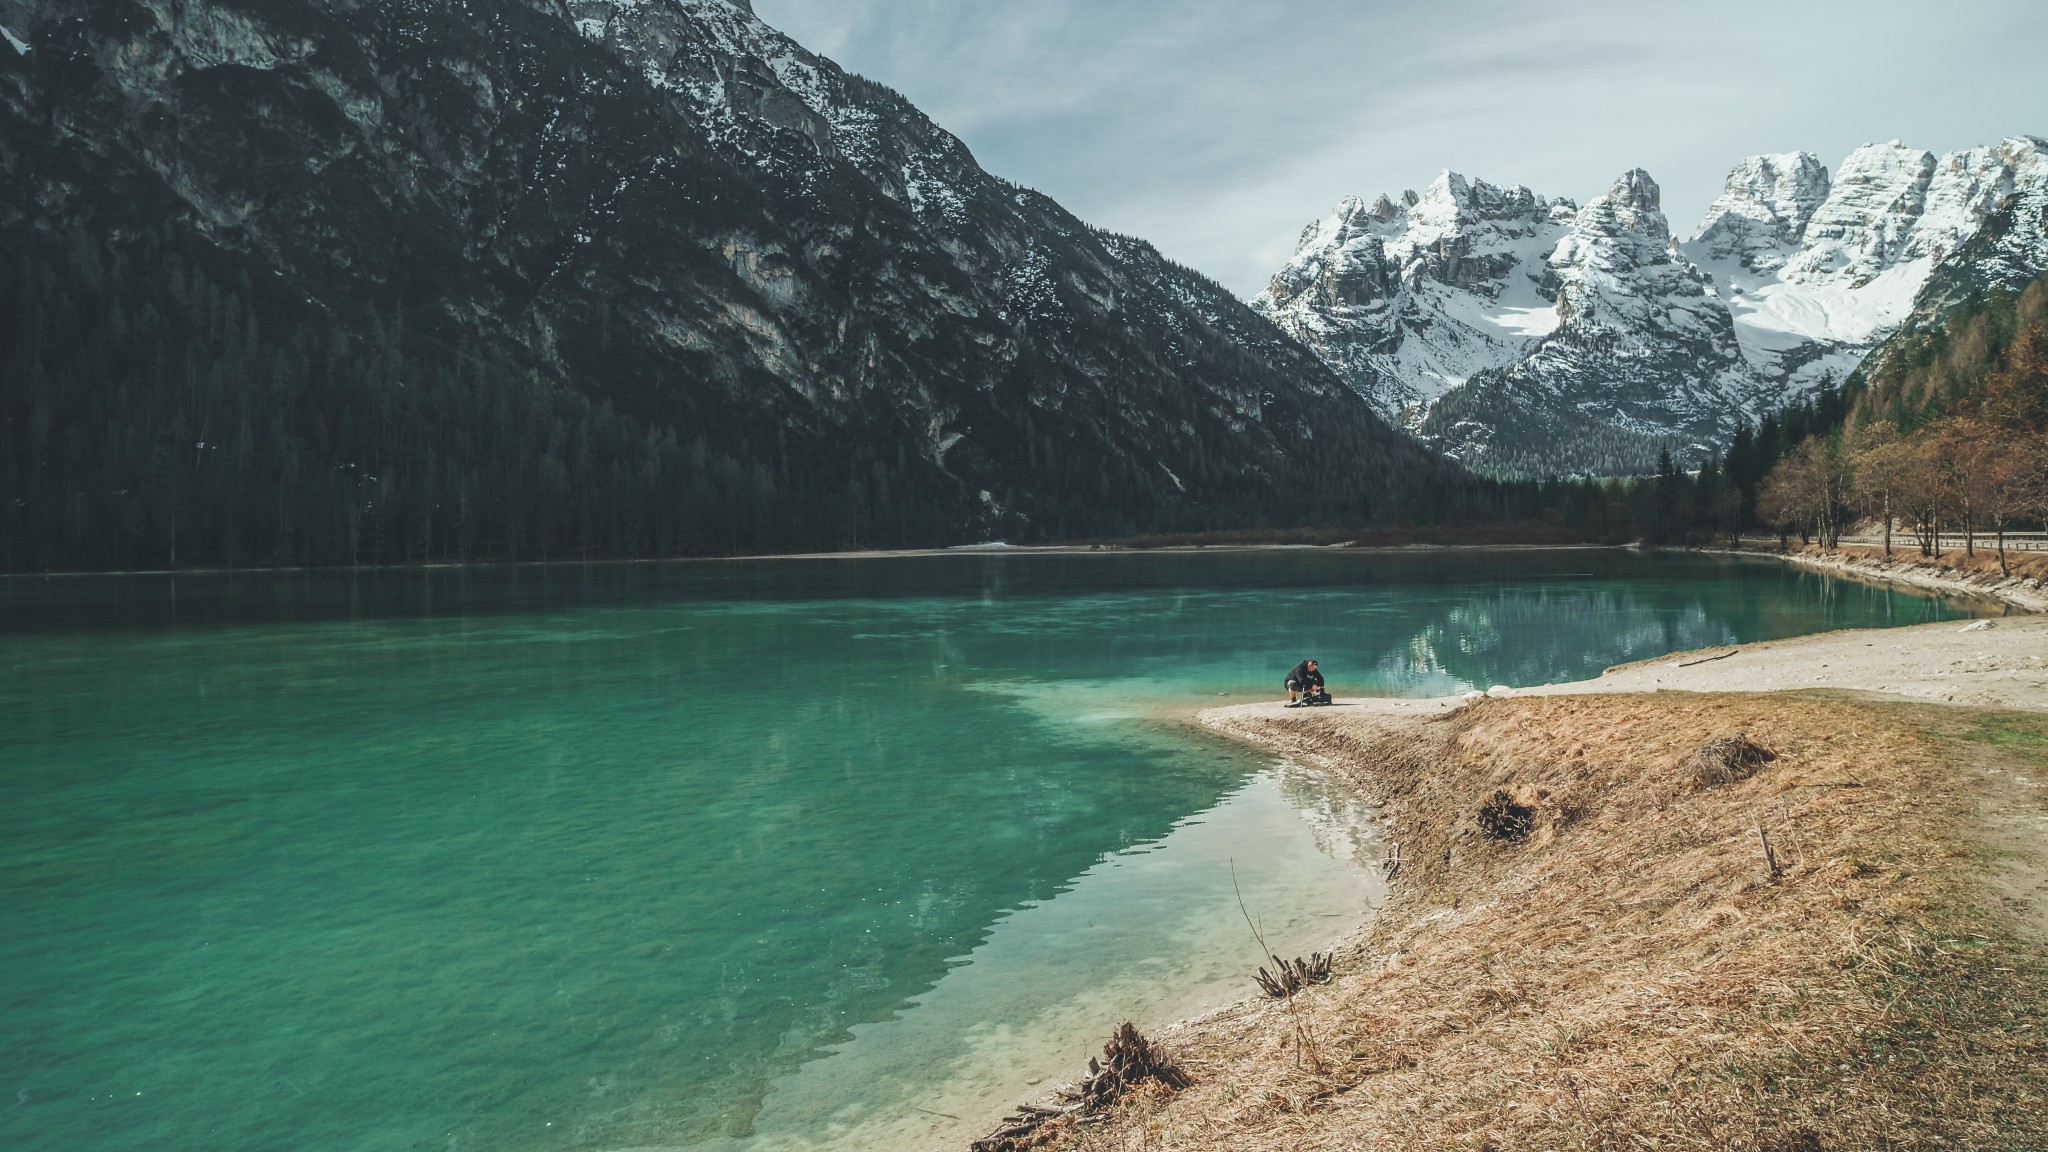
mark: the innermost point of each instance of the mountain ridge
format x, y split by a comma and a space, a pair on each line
1793, 275
805, 314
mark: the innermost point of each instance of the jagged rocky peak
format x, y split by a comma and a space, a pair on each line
1968, 186
1621, 230
1887, 205
1619, 267
1640, 351
1451, 233
1639, 193
1862, 227
1636, 204
1761, 215
1453, 199
1408, 296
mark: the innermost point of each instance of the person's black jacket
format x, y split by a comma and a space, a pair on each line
1305, 677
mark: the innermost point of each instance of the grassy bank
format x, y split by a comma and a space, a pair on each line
1631, 973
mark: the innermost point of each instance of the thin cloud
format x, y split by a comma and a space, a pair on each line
1218, 129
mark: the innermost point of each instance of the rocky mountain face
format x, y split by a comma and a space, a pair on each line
1625, 339
1763, 210
761, 282
1405, 299
1815, 297
2006, 251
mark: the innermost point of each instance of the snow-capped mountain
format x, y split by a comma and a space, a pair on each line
1524, 334
1405, 299
1839, 275
1633, 315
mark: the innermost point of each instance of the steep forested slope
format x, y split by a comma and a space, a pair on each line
1988, 356
324, 281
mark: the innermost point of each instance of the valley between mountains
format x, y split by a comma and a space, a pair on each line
350, 800
307, 282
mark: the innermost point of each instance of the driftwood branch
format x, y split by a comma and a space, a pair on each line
1708, 659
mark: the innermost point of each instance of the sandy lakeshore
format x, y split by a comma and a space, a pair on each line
2001, 663
1843, 947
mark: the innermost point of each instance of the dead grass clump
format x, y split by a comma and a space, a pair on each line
1726, 760
1130, 1065
1641, 982
1503, 818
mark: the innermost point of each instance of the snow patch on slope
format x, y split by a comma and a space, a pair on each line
1407, 300
1813, 301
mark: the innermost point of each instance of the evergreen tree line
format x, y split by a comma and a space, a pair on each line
161, 409
1526, 438
1664, 505
154, 417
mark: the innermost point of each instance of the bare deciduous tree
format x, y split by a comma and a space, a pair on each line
1883, 468
1811, 489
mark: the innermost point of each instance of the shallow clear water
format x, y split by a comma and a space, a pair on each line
724, 855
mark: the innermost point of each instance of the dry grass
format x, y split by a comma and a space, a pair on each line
1726, 760
1628, 975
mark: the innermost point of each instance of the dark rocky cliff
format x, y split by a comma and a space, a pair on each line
316, 281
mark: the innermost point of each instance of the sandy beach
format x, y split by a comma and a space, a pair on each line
2000, 663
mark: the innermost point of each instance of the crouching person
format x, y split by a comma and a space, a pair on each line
1305, 685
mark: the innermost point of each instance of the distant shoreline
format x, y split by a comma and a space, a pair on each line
1950, 573
964, 550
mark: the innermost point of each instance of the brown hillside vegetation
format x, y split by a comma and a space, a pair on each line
1993, 357
1636, 970
1949, 434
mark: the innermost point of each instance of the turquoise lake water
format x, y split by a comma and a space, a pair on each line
736, 855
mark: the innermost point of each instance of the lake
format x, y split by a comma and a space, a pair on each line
834, 853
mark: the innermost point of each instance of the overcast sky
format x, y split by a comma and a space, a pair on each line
1218, 128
